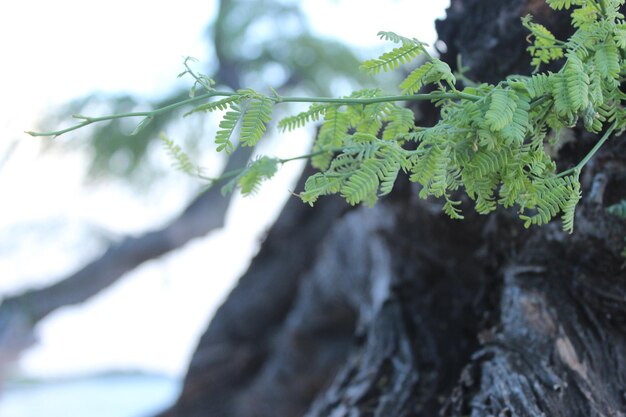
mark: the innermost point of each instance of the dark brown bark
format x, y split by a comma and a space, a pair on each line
399, 311
243, 339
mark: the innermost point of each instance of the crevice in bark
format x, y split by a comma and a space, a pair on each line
238, 345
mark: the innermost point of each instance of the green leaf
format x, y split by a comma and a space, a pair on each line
560, 91
415, 80
393, 37
330, 136
564, 4
256, 116
577, 82
320, 184
538, 85
544, 48
451, 209
250, 179
401, 121
391, 60
181, 160
222, 104
314, 113
501, 109
607, 62
258, 171
363, 183
226, 128
431, 72
515, 131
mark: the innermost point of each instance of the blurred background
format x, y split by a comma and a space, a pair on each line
111, 261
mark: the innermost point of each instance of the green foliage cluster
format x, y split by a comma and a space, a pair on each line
619, 210
490, 140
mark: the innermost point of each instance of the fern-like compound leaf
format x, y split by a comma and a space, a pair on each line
320, 184
431, 170
391, 60
538, 85
577, 82
583, 17
620, 36
607, 62
544, 48
363, 183
431, 72
440, 72
452, 210
486, 163
415, 80
554, 195
226, 128
258, 171
482, 191
596, 90
250, 179
372, 117
515, 132
568, 207
181, 160
222, 104
501, 109
388, 174
258, 113
395, 38
335, 127
563, 4
313, 114
400, 122
560, 92
394, 159
331, 135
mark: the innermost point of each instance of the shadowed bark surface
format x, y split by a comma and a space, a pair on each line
398, 311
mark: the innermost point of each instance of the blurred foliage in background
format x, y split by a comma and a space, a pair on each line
257, 44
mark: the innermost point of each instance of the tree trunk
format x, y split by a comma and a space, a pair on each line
399, 311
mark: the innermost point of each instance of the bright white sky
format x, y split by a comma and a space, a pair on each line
54, 51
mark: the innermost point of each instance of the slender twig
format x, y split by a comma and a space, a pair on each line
90, 120
591, 153
382, 99
199, 80
307, 156
236, 172
86, 120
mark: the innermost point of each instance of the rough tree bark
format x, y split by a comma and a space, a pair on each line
398, 311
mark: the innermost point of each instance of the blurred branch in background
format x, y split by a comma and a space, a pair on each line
6, 153
253, 42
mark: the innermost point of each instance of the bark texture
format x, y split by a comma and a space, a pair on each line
399, 311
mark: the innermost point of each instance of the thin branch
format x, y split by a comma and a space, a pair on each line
591, 153
277, 99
